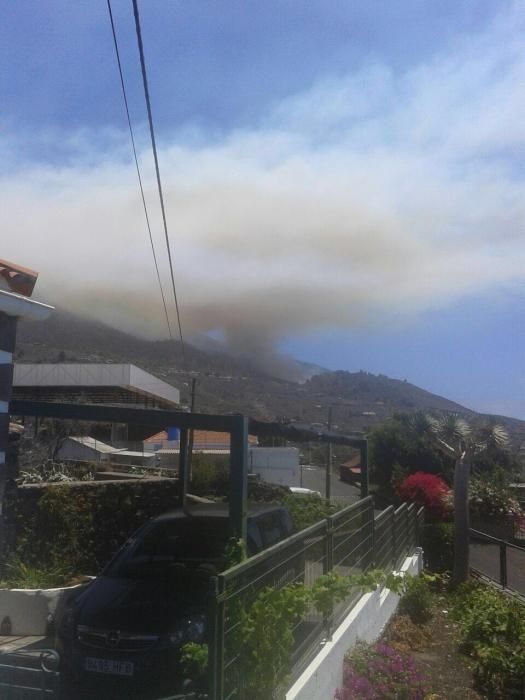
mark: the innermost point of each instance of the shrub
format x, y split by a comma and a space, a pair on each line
17, 574
426, 490
308, 510
379, 672
209, 476
78, 527
417, 600
194, 662
492, 501
403, 635
438, 546
57, 472
492, 630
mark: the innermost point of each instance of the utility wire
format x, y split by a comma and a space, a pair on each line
157, 169
117, 53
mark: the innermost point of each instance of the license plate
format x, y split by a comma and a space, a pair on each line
109, 666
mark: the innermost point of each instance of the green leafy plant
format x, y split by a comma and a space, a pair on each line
266, 634
492, 501
438, 546
78, 527
308, 510
56, 472
194, 661
417, 600
18, 574
209, 475
492, 628
262, 631
234, 552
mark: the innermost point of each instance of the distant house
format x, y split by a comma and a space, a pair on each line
88, 449
350, 471
205, 441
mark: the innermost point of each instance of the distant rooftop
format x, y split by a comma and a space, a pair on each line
114, 384
17, 279
202, 440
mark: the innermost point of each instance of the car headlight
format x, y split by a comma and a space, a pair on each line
188, 630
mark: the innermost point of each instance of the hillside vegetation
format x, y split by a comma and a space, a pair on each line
229, 384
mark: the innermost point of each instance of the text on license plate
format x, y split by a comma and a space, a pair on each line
112, 666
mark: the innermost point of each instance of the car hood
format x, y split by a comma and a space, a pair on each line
137, 605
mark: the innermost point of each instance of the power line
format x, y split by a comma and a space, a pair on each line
117, 53
157, 169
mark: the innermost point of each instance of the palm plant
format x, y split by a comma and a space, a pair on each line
457, 439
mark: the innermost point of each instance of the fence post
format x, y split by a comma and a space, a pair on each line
408, 544
503, 563
328, 563
394, 540
374, 553
215, 642
364, 469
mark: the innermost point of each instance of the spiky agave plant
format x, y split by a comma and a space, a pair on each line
457, 439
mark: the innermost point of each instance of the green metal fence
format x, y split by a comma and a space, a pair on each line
353, 540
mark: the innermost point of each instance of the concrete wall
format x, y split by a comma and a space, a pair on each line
365, 622
7, 346
30, 611
276, 465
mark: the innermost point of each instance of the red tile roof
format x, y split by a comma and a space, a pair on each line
202, 438
19, 279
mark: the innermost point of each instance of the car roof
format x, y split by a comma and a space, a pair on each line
215, 510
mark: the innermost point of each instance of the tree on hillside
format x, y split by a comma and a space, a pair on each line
455, 438
397, 445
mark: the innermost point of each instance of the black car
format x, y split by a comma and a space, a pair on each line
121, 637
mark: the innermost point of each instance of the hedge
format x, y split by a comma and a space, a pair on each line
80, 525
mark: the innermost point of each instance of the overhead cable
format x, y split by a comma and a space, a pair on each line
117, 53
157, 169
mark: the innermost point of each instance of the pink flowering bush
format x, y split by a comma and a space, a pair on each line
378, 672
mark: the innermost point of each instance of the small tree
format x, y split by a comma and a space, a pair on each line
455, 438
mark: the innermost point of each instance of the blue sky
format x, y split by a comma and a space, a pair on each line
344, 181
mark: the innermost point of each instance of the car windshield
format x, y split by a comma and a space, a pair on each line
191, 541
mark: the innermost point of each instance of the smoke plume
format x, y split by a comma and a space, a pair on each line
369, 196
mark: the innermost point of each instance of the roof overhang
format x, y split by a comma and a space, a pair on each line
23, 307
74, 376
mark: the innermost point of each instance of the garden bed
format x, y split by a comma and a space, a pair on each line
465, 645
446, 673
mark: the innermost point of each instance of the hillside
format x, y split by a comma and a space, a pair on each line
229, 384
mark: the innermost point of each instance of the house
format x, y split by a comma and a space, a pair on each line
166, 445
350, 471
88, 449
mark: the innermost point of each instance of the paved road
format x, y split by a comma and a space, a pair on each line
315, 478
485, 559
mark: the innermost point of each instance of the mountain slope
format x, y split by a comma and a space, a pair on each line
227, 384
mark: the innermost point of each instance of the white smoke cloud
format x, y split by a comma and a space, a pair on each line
371, 194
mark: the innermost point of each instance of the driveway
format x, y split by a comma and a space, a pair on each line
315, 478
484, 557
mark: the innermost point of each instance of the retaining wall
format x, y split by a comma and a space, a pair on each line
365, 622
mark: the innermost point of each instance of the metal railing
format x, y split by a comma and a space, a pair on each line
350, 541
498, 560
28, 674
